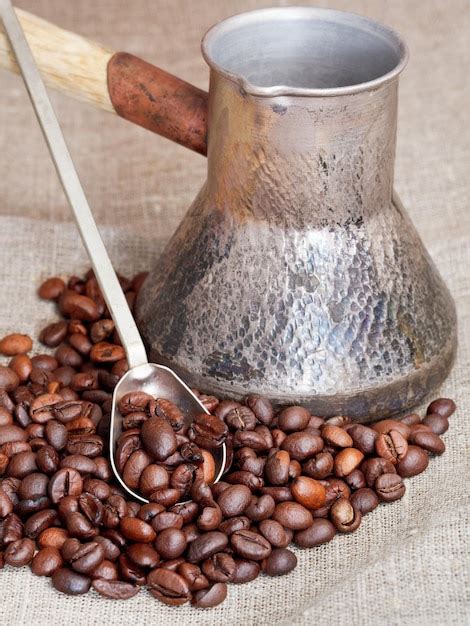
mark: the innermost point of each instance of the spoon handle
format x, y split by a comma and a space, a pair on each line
104, 272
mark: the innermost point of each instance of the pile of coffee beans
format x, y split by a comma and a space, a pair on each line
292, 476
159, 454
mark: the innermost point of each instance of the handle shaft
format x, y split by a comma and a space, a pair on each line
115, 82
89, 232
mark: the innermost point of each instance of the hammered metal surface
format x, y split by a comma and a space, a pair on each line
295, 273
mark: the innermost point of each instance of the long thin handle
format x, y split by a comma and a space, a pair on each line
116, 82
91, 238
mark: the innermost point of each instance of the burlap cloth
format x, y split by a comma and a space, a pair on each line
408, 563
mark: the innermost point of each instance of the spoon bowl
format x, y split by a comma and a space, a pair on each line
160, 382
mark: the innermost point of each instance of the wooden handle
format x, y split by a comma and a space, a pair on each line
116, 82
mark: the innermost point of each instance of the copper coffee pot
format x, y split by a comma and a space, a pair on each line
296, 273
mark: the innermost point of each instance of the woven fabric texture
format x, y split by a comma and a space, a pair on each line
409, 561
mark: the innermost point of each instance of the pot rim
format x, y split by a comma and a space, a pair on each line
291, 13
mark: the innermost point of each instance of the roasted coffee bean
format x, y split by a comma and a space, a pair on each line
281, 561
250, 545
355, 480
115, 589
391, 446
336, 436
276, 468
158, 438
134, 401
19, 552
101, 330
166, 496
22, 464
79, 526
86, 557
68, 357
81, 463
6, 505
279, 494
143, 555
168, 410
240, 418
104, 352
153, 477
134, 468
137, 530
8, 378
385, 426
229, 526
168, 586
437, 423
389, 487
51, 288
411, 419
65, 482
308, 492
344, 516
91, 508
321, 531
234, 500
208, 431
46, 562
47, 459
292, 515
182, 477
245, 571
319, 467
415, 462
88, 445
347, 460
219, 567
170, 543
56, 434
428, 441
130, 571
261, 407
206, 545
193, 576
207, 598
293, 418
302, 445
210, 518
191, 452
260, 508
22, 366
442, 406
39, 521
364, 500
16, 343
70, 582
52, 538
106, 570
374, 467
245, 478
54, 334
274, 532
76, 306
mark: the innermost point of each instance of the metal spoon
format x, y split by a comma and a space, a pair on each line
157, 380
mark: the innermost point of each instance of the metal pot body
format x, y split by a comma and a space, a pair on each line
296, 273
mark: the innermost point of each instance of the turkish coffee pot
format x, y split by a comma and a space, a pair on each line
296, 272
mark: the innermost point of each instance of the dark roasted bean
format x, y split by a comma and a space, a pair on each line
415, 462
389, 487
169, 587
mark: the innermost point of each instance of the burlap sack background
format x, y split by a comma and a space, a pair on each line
408, 563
